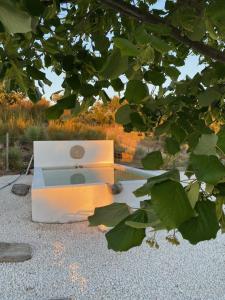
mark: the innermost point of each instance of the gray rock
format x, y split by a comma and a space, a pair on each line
20, 189
116, 188
15, 252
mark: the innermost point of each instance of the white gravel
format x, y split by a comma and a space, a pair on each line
72, 260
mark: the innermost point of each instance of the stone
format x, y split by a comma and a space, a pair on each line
15, 252
115, 188
20, 189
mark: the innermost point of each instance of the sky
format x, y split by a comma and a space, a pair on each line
190, 68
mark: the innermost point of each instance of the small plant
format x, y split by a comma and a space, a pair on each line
34, 133
15, 159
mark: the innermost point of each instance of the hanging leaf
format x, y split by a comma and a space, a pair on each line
117, 84
193, 193
126, 47
152, 161
115, 65
172, 146
123, 237
136, 91
206, 145
35, 73
159, 44
172, 72
35, 7
137, 121
123, 115
207, 168
208, 97
74, 82
152, 220
221, 139
56, 110
14, 19
109, 215
155, 77
146, 188
203, 227
171, 204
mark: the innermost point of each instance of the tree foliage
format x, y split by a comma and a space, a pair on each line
128, 45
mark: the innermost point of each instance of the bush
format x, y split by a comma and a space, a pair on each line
15, 158
34, 133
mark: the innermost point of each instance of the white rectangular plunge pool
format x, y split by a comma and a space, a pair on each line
62, 192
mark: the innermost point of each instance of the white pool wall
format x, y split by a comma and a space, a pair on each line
57, 153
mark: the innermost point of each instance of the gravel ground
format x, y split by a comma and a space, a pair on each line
72, 260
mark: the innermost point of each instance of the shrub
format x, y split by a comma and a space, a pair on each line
34, 133
15, 158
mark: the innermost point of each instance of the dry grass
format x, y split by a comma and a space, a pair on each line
26, 122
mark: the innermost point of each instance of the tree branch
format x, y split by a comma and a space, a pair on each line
146, 17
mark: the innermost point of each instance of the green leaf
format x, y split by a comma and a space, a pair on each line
117, 84
35, 73
203, 227
152, 161
208, 97
219, 206
126, 47
152, 218
159, 44
198, 31
207, 168
206, 145
193, 193
137, 225
87, 90
171, 204
56, 110
222, 223
136, 91
35, 7
147, 55
123, 115
67, 62
73, 82
178, 132
115, 65
154, 77
34, 94
109, 215
221, 139
14, 19
172, 146
137, 121
101, 41
123, 237
146, 188
172, 72
141, 35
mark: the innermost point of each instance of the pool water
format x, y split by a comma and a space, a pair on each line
68, 176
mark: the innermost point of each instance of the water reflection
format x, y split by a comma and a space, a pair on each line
77, 178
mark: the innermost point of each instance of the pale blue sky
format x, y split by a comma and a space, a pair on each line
190, 68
